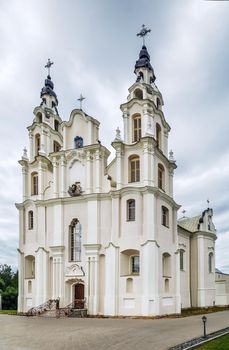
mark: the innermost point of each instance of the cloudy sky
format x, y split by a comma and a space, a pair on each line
94, 47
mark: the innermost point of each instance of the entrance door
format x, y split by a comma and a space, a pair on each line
79, 296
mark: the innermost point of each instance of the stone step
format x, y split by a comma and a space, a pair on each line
78, 313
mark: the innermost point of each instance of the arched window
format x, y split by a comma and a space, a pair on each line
56, 146
182, 260
56, 125
137, 131
39, 117
75, 241
210, 262
138, 92
78, 142
30, 220
166, 285
130, 262
34, 183
134, 169
165, 216
37, 144
129, 285
161, 177
166, 265
29, 266
158, 135
130, 210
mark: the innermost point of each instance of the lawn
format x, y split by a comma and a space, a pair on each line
221, 343
8, 312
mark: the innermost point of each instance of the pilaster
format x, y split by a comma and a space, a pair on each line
41, 274
89, 172
63, 176
21, 272
111, 295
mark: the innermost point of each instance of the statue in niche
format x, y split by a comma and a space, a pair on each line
75, 189
78, 141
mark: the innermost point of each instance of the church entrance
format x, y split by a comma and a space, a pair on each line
79, 296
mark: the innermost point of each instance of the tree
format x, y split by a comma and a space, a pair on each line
8, 287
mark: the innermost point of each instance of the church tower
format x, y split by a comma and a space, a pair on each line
143, 172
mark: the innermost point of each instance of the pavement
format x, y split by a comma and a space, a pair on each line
29, 333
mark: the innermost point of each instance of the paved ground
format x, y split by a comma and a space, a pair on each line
22, 333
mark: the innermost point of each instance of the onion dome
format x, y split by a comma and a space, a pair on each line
144, 61
48, 88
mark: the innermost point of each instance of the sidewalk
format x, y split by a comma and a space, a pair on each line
22, 333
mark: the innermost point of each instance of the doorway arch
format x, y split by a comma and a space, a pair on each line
78, 295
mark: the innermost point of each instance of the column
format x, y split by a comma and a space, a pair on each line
111, 295
149, 269
55, 179
115, 227
89, 172
149, 204
63, 176
201, 271
41, 270
119, 166
21, 272
58, 273
92, 278
171, 172
126, 125
25, 181
31, 153
41, 168
64, 138
166, 143
146, 165
177, 279
98, 172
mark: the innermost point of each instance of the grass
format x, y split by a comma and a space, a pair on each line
8, 312
200, 311
221, 343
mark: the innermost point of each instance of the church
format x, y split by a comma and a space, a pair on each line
105, 235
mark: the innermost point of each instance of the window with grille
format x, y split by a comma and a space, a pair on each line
161, 176
135, 264
134, 166
30, 220
137, 133
131, 210
34, 183
165, 216
75, 241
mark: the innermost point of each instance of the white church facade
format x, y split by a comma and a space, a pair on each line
106, 234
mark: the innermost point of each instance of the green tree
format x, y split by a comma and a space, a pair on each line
8, 287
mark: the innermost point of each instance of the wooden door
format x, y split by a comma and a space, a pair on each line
79, 296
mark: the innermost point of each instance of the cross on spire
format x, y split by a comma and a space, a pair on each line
81, 98
48, 66
143, 32
208, 201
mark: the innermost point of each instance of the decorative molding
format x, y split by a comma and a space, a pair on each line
74, 270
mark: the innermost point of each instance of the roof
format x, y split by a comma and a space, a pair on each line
190, 224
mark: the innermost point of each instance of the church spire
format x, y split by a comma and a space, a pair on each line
143, 68
48, 95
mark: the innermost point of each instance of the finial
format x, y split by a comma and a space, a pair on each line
208, 202
143, 32
81, 98
171, 156
48, 66
25, 156
118, 135
183, 212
